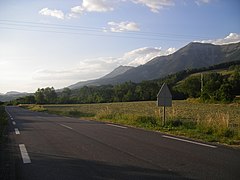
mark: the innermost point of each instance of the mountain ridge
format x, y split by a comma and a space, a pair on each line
193, 55
96, 82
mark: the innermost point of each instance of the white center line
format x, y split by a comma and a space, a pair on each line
17, 131
11, 118
25, 157
117, 126
184, 140
65, 126
14, 123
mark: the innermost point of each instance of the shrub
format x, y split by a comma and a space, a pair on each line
146, 120
174, 123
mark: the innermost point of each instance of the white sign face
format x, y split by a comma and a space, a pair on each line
164, 96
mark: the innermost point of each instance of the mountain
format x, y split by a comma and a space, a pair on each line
12, 95
193, 55
116, 72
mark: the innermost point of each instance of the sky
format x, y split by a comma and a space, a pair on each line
45, 43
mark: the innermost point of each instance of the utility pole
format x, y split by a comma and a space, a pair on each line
201, 82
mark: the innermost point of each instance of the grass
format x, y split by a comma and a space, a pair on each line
207, 122
3, 123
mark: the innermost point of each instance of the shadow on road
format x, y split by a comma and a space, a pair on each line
57, 167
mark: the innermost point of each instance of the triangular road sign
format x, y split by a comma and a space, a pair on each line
164, 96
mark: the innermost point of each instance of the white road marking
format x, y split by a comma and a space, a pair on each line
11, 118
14, 123
184, 140
65, 126
17, 131
25, 157
117, 126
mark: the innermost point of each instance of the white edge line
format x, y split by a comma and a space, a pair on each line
17, 131
25, 157
65, 126
184, 140
14, 123
117, 126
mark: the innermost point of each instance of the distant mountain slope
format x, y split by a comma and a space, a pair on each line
193, 55
12, 95
116, 72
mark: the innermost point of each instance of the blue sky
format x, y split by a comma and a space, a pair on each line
60, 42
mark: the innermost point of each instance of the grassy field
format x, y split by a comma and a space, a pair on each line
207, 122
3, 122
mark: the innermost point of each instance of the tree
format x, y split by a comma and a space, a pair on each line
235, 80
50, 95
225, 93
39, 96
47, 95
191, 87
212, 82
65, 96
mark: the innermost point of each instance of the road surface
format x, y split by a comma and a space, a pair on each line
54, 147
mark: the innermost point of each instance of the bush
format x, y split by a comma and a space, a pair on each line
3, 122
37, 108
228, 133
146, 120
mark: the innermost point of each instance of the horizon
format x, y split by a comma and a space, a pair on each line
56, 44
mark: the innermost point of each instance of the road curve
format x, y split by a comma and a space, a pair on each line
54, 147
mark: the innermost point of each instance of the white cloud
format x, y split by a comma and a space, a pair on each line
123, 26
155, 5
54, 13
98, 67
199, 2
94, 6
231, 38
108, 5
98, 5
86, 69
77, 9
143, 55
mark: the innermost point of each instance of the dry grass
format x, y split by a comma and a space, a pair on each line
227, 115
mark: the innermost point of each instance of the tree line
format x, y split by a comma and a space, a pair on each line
216, 87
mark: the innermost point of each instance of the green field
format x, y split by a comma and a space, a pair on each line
3, 123
207, 122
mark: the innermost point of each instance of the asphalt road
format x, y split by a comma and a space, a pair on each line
55, 147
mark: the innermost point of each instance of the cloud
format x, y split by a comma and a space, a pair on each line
231, 38
143, 55
155, 5
98, 67
93, 6
123, 26
77, 9
199, 2
54, 13
84, 70
108, 5
98, 5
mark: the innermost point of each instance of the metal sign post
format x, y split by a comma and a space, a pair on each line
164, 98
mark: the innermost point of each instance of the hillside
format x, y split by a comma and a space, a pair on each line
116, 72
12, 95
193, 55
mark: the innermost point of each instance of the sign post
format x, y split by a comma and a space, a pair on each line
164, 98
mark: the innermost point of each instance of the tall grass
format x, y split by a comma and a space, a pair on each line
3, 122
